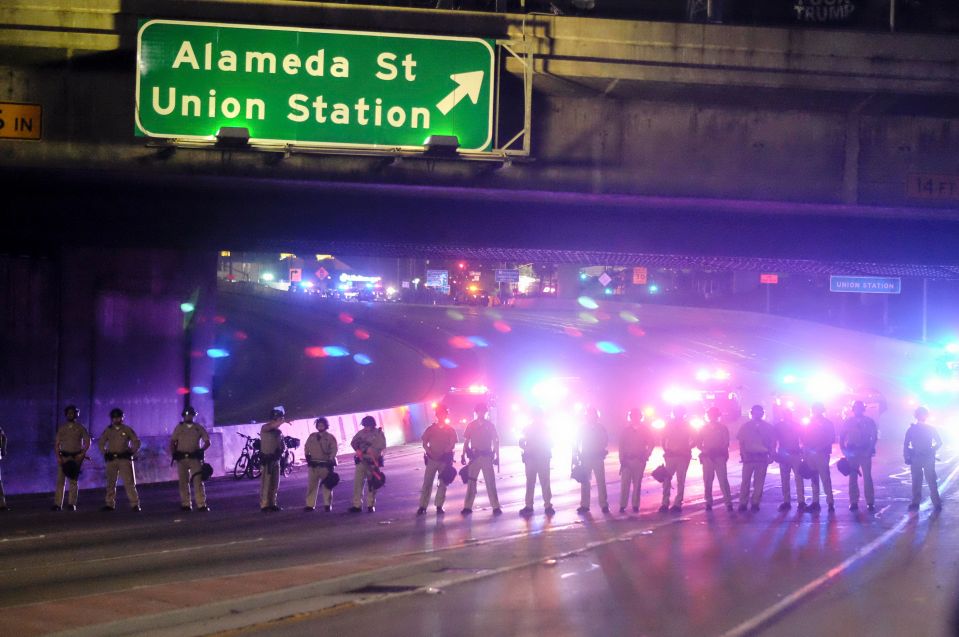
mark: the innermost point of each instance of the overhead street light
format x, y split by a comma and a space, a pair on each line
441, 145
233, 136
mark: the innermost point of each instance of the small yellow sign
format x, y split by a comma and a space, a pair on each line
20, 121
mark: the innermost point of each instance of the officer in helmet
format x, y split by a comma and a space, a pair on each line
757, 443
187, 446
70, 446
590, 453
320, 450
818, 438
481, 446
713, 446
919, 452
439, 445
368, 445
537, 446
789, 455
636, 443
271, 450
857, 440
119, 445
678, 441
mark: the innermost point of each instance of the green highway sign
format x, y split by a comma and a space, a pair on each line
313, 87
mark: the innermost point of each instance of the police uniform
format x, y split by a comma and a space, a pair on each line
817, 440
187, 450
71, 443
369, 442
789, 452
592, 456
635, 445
320, 450
713, 454
678, 441
756, 443
481, 443
439, 442
271, 450
857, 439
919, 450
537, 446
119, 443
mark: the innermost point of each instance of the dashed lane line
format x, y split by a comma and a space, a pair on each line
756, 623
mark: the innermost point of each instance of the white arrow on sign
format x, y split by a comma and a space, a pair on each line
467, 85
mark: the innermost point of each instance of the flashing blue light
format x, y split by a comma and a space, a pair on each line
653, 288
200, 390
789, 379
478, 341
306, 285
583, 276
608, 291
216, 352
608, 347
952, 348
447, 363
362, 359
186, 307
369, 286
335, 351
587, 302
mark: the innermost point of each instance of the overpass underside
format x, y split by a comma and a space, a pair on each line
218, 213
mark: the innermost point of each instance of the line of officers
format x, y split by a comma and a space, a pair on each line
189, 441
802, 451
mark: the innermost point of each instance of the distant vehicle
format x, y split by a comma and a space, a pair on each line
798, 392
712, 388
462, 401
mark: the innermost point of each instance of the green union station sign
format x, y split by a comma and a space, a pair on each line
313, 87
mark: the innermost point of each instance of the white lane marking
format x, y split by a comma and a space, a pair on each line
755, 623
22, 539
185, 549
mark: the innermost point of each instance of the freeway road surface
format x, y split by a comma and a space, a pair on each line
706, 573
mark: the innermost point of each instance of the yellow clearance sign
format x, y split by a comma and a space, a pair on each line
20, 121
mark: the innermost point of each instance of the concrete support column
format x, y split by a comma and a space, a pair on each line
567, 281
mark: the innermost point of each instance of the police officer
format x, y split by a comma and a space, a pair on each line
320, 450
757, 442
481, 446
3, 454
119, 445
590, 454
271, 450
789, 456
368, 443
439, 444
678, 441
857, 440
635, 444
919, 452
537, 446
817, 441
713, 446
187, 446
70, 445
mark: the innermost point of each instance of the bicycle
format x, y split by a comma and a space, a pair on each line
288, 459
248, 464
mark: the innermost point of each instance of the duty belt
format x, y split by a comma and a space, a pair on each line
125, 455
326, 464
184, 455
70, 454
479, 453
